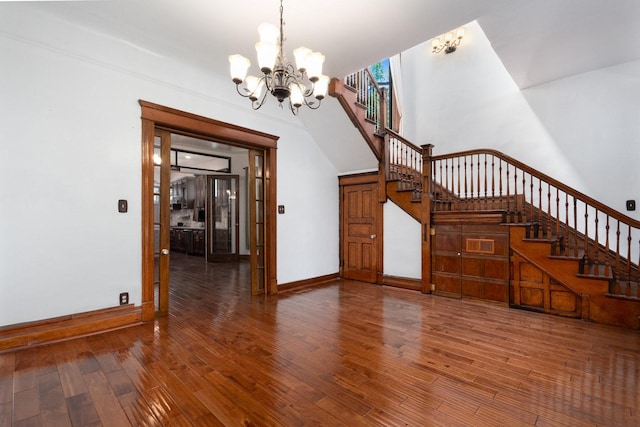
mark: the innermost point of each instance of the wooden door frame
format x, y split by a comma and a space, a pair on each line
356, 179
157, 116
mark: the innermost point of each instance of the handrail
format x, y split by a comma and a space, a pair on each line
369, 95
591, 201
578, 225
403, 162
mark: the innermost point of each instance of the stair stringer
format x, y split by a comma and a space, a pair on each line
347, 99
404, 200
551, 285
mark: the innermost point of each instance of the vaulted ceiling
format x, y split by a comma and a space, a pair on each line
538, 41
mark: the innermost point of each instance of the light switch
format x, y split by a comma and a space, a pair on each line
122, 205
631, 205
280, 209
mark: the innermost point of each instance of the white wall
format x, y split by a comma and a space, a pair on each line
71, 147
595, 120
402, 244
467, 100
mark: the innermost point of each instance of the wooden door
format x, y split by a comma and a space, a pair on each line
257, 228
446, 260
471, 260
361, 223
223, 226
162, 201
485, 262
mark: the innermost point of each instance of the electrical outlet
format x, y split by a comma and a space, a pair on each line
124, 298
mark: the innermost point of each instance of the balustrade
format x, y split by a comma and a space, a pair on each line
605, 241
576, 225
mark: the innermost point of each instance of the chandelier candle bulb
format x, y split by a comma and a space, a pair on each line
239, 67
254, 87
267, 54
300, 54
321, 87
297, 94
314, 66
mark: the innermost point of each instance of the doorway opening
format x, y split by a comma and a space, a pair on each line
218, 220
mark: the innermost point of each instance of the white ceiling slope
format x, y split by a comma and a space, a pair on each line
537, 40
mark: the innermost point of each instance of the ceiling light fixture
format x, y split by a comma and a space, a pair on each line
449, 41
301, 83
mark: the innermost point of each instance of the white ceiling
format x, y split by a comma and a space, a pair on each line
537, 40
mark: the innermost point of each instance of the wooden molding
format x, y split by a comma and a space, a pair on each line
358, 178
402, 282
314, 281
62, 328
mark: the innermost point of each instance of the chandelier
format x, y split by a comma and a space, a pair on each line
302, 84
447, 41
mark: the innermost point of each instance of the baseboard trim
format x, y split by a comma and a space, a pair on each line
301, 284
30, 334
402, 282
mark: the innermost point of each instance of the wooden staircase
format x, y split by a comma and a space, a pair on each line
569, 254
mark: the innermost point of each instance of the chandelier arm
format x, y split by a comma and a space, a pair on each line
259, 103
309, 92
244, 95
312, 103
293, 109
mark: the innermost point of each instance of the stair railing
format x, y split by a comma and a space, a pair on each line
604, 240
369, 95
403, 163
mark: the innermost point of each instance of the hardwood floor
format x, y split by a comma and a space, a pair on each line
343, 354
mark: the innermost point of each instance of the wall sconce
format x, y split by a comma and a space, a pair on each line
447, 42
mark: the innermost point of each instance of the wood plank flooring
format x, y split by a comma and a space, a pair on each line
346, 353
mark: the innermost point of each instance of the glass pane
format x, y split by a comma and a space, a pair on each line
223, 215
259, 190
156, 210
260, 257
232, 214
259, 212
258, 164
156, 268
156, 237
259, 234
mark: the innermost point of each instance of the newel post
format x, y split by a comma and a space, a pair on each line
382, 112
426, 217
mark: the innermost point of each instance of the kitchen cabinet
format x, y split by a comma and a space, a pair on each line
183, 192
187, 240
197, 242
177, 240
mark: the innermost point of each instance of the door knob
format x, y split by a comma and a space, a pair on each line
373, 236
165, 252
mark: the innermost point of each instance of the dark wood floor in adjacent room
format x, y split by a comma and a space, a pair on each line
343, 354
